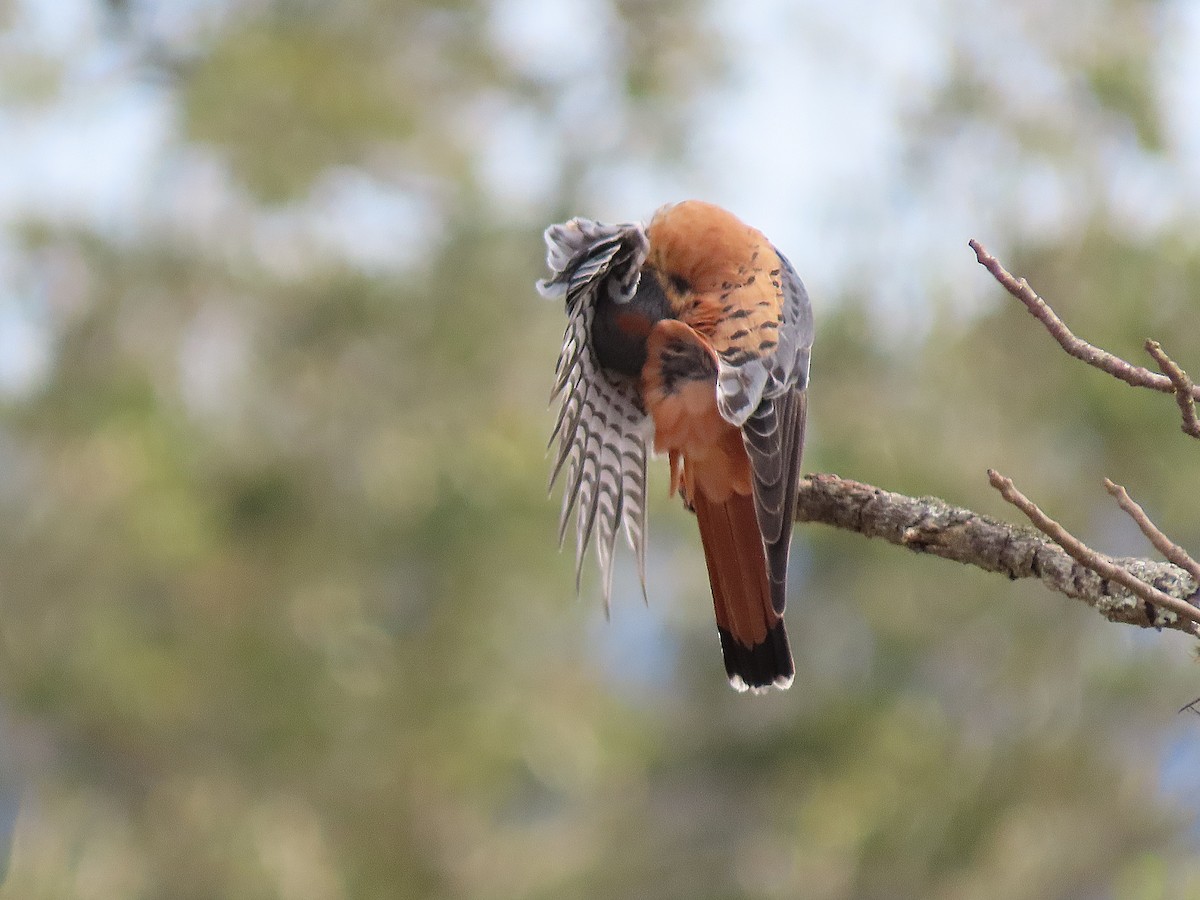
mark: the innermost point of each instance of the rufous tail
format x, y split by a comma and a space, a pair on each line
753, 638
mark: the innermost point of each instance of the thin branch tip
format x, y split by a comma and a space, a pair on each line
1186, 392
1174, 553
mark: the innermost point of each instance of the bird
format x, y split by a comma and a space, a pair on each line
688, 337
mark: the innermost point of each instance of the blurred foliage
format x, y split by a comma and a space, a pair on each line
282, 616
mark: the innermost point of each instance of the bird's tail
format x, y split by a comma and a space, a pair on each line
753, 638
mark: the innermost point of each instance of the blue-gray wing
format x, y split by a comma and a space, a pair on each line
774, 432
602, 432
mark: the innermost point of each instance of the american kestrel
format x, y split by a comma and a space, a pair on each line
691, 334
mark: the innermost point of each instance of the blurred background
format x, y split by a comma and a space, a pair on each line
280, 607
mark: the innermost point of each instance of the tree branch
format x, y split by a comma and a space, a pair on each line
1154, 599
1135, 591
930, 525
1076, 347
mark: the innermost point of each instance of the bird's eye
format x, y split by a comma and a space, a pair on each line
679, 283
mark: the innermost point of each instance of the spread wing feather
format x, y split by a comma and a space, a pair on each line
601, 431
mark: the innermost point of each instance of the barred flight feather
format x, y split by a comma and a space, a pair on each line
601, 431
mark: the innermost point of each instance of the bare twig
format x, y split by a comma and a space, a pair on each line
1076, 347
1191, 707
1085, 555
1185, 391
932, 526
1163, 544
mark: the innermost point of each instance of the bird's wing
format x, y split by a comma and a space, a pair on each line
602, 430
761, 387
